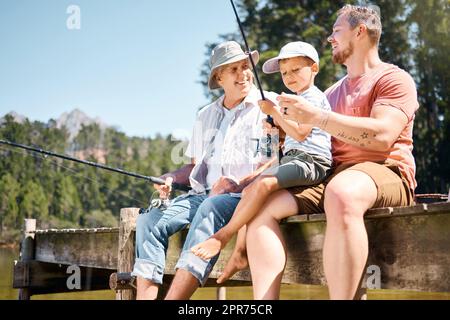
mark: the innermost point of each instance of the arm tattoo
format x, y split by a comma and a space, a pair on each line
363, 140
345, 136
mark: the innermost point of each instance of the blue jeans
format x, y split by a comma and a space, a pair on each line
153, 229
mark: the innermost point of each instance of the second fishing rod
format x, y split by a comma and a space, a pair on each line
155, 180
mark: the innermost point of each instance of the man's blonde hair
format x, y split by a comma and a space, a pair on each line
368, 16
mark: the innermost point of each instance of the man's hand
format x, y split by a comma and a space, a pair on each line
266, 125
299, 109
224, 185
267, 107
164, 189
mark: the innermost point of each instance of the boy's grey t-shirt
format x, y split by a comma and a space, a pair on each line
318, 141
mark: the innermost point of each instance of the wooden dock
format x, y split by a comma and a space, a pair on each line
409, 246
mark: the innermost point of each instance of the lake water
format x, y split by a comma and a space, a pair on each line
288, 292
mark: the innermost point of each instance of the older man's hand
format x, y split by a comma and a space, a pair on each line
224, 185
267, 107
298, 109
164, 189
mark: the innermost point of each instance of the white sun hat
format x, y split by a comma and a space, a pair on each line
226, 53
291, 50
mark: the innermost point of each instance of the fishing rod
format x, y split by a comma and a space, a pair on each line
175, 186
269, 118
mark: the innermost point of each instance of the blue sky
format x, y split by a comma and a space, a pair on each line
135, 64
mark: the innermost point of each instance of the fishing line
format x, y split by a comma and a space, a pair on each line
76, 173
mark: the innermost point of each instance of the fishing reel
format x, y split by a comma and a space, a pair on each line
156, 203
160, 203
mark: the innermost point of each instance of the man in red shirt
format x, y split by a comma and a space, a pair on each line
371, 124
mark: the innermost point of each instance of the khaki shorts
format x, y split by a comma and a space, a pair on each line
393, 189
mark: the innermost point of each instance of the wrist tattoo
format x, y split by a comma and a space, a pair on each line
323, 121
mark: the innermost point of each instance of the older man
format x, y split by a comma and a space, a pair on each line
224, 161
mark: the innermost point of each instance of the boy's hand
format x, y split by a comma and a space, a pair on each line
267, 107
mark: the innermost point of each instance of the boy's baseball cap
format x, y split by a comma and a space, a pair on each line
291, 50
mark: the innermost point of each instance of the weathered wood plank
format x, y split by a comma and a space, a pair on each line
409, 245
443, 207
27, 253
43, 277
87, 230
411, 251
84, 249
126, 252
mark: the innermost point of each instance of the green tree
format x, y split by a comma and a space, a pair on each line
9, 210
270, 26
67, 203
88, 137
89, 186
98, 218
431, 47
34, 202
415, 37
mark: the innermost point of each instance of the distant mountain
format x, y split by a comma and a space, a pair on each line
17, 117
75, 119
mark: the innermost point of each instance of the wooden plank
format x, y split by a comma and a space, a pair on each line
84, 249
304, 243
126, 252
122, 281
409, 245
442, 207
411, 251
43, 277
85, 230
27, 254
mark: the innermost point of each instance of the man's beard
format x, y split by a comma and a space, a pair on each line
340, 57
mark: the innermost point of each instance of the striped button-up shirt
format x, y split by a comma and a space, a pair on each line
239, 156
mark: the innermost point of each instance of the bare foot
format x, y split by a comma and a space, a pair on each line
208, 249
238, 261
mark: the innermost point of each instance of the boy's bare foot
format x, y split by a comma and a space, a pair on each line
238, 261
208, 249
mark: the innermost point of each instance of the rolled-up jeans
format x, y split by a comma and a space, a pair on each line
206, 215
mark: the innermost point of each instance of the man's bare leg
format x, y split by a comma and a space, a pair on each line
265, 245
146, 289
347, 198
253, 198
238, 259
183, 286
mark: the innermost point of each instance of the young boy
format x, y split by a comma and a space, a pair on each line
307, 150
